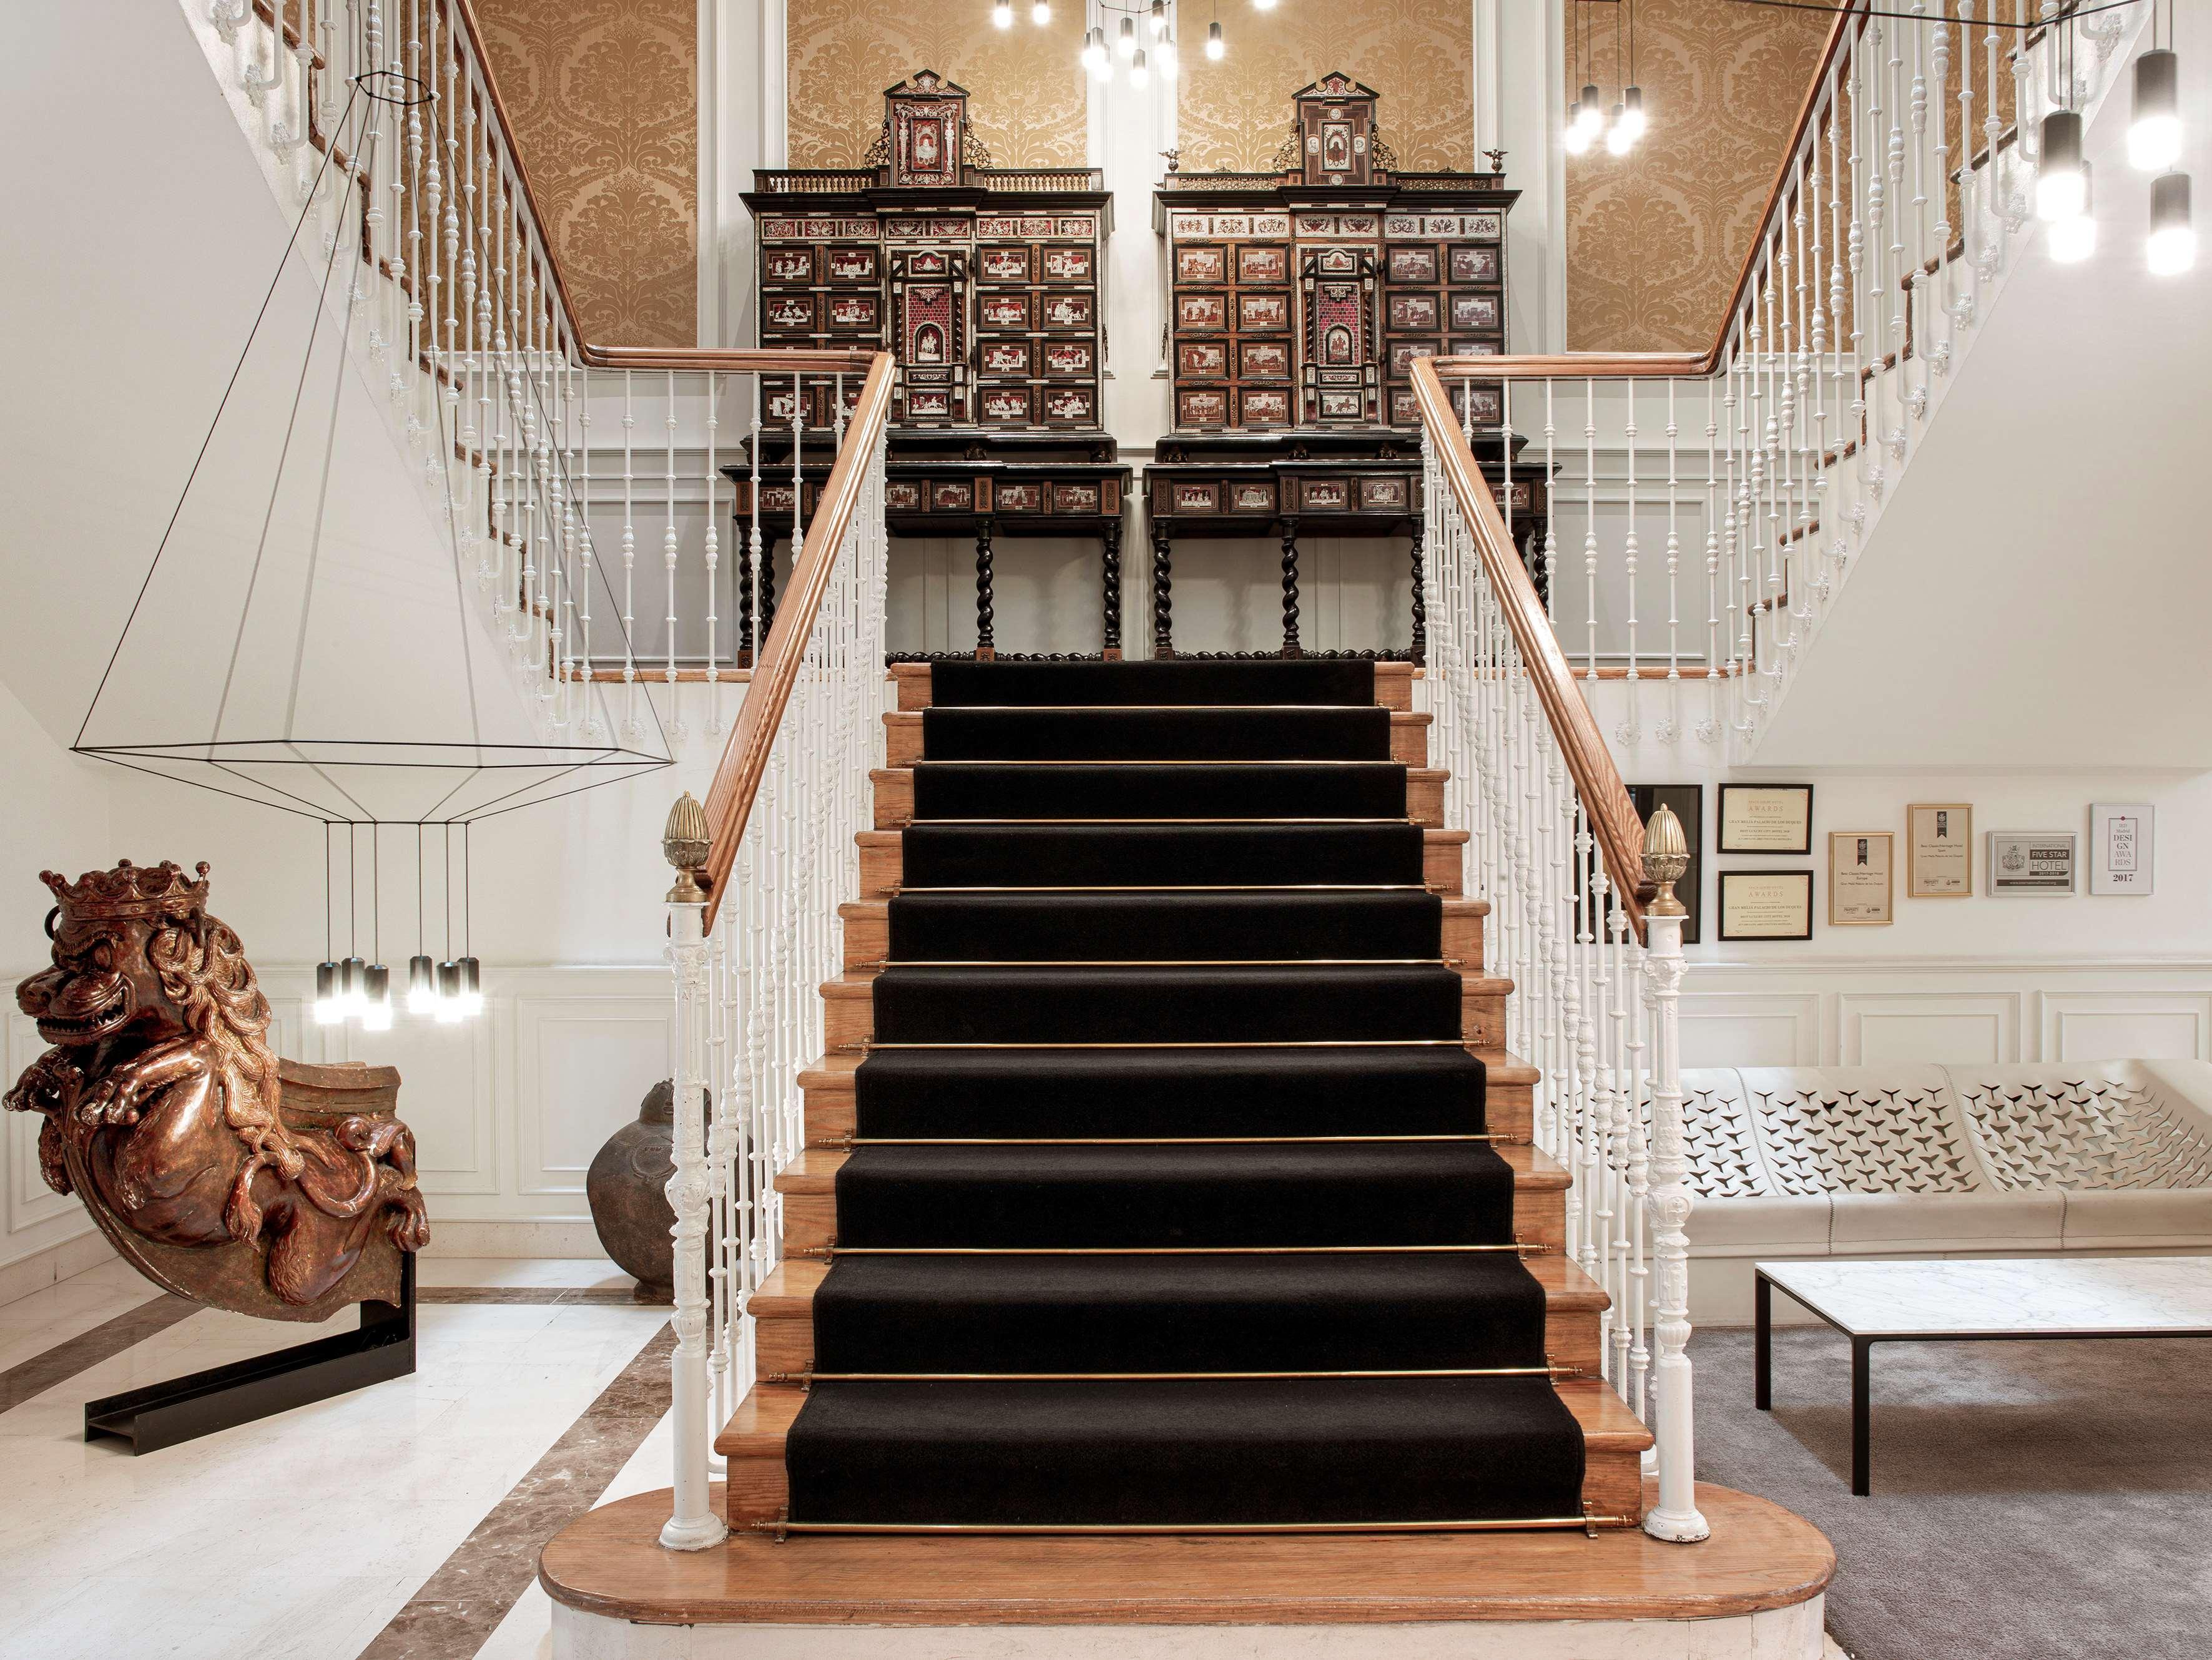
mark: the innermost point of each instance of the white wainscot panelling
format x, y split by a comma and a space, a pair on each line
447, 1087
582, 1066
29, 1202
2096, 1026
1947, 1028
1750, 1028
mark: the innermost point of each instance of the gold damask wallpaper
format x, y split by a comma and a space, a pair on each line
605, 99
1655, 238
1234, 113
1027, 100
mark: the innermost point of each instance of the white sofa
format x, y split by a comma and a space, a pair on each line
1934, 1161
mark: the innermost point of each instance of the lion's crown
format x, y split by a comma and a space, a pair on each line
157, 892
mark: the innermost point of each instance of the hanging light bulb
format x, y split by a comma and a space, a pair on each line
2154, 136
1137, 73
1040, 13
1617, 137
330, 1007
1263, 5
2172, 245
1628, 115
1214, 49
1159, 15
376, 1014
2062, 179
449, 993
1578, 137
1002, 14
1126, 42
2072, 241
1094, 50
471, 986
1164, 57
353, 986
1589, 113
421, 985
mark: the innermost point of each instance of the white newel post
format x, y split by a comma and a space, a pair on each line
692, 1525
1666, 857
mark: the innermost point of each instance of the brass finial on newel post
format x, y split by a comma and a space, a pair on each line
1665, 859
685, 843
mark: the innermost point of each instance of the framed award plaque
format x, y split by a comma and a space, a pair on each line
2033, 864
1939, 850
1861, 878
1765, 818
1766, 905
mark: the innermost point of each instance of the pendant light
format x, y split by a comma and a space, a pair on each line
2073, 239
1139, 72
1159, 18
2062, 178
1214, 49
2170, 248
375, 1009
1126, 41
1040, 13
326, 1009
1002, 14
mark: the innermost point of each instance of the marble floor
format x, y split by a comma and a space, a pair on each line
400, 1522
312, 1533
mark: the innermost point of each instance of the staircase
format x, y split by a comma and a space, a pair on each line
1164, 1172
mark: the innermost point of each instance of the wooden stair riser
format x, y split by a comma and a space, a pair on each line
849, 1011
883, 857
868, 934
894, 797
1393, 686
1509, 1101
902, 739
810, 1199
784, 1336
760, 1485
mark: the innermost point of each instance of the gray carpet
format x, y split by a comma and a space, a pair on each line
2031, 1501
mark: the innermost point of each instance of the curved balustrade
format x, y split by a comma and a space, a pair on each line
1705, 507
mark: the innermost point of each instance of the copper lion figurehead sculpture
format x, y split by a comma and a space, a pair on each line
221, 1172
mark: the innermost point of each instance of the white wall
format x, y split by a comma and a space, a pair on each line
1957, 981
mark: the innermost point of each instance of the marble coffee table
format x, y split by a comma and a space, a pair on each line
1969, 1299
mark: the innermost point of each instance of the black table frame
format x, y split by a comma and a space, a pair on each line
1862, 1355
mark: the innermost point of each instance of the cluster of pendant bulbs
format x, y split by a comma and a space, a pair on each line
2063, 198
1588, 120
352, 988
1143, 53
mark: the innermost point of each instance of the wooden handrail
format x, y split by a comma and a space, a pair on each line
776, 670
1681, 365
800, 360
1612, 816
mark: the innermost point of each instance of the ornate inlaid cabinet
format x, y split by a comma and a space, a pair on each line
988, 286
1300, 298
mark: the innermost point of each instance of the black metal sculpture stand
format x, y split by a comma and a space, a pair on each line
184, 1408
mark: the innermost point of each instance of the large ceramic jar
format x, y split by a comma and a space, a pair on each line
627, 1188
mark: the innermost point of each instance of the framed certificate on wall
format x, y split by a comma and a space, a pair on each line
2031, 864
1765, 818
1939, 850
1862, 880
1766, 905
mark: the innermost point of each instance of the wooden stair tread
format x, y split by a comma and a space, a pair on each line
835, 1070
863, 911
815, 1171
857, 981
610, 1562
762, 1423
788, 1292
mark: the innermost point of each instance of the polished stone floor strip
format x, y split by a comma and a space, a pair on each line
43, 1371
459, 1607
614, 1296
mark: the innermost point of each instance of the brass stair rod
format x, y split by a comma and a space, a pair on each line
811, 1378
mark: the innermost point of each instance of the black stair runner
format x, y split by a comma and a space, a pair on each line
1168, 1091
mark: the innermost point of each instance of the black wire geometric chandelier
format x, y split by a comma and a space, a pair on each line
304, 639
